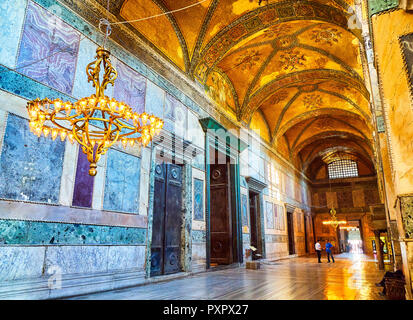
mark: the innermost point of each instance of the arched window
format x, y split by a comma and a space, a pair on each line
342, 169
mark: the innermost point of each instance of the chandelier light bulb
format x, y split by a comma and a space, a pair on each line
63, 135
55, 132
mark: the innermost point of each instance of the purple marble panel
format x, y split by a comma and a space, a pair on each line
48, 49
130, 87
83, 191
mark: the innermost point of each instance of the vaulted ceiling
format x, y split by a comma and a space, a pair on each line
291, 70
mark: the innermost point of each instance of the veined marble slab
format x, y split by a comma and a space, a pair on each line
21, 262
15, 232
11, 24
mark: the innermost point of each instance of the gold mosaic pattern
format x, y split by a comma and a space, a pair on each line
275, 66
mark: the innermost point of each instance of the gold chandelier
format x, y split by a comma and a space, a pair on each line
96, 122
334, 222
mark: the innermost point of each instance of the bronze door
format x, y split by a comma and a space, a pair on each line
254, 224
167, 220
220, 226
305, 234
291, 247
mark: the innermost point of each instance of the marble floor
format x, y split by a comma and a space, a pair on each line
351, 277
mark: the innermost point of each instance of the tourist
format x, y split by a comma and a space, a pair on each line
329, 252
318, 250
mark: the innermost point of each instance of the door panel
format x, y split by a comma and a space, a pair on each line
173, 219
291, 247
253, 224
158, 222
167, 220
221, 231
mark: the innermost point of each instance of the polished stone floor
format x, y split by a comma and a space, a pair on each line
351, 277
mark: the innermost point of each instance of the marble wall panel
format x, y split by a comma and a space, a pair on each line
358, 198
48, 49
50, 233
77, 259
83, 189
269, 215
195, 133
37, 164
68, 174
11, 24
198, 199
122, 182
175, 116
126, 257
345, 199
21, 262
371, 197
130, 87
99, 184
154, 100
198, 254
244, 209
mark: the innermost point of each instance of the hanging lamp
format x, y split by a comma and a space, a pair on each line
96, 122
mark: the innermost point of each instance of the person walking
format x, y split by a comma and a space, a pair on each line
329, 252
318, 250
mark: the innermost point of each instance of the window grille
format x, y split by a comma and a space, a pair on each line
342, 169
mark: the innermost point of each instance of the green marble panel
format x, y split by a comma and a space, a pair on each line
42, 233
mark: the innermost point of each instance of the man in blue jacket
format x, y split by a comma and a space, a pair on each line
328, 250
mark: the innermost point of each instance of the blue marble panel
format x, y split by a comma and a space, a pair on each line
198, 236
130, 87
155, 99
31, 166
281, 217
198, 199
42, 233
11, 24
269, 215
48, 49
175, 116
122, 182
21, 262
244, 209
199, 161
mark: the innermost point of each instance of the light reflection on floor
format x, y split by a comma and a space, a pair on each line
351, 277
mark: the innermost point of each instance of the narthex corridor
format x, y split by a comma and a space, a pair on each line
206, 149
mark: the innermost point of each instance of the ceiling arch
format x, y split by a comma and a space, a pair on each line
290, 70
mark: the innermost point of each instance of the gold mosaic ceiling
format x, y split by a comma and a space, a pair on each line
289, 69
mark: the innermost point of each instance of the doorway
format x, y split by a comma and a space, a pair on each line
255, 230
351, 238
290, 225
223, 223
305, 234
167, 220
